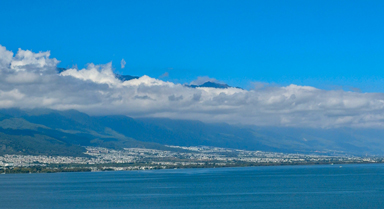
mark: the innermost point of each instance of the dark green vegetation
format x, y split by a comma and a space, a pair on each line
39, 169
51, 132
54, 133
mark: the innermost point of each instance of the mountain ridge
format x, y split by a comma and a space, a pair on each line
70, 128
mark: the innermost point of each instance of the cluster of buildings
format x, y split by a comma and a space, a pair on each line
142, 159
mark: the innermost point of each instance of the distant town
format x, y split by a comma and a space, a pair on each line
103, 159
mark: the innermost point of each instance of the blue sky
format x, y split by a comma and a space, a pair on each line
325, 44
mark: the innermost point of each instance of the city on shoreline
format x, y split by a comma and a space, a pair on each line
103, 159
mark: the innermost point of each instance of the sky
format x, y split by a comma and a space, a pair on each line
325, 44
299, 63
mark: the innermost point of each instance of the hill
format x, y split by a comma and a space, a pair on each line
52, 132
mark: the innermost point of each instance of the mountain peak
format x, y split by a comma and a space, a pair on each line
125, 77
210, 84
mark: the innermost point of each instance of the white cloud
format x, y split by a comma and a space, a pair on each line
30, 80
40, 61
5, 57
123, 63
101, 74
22, 77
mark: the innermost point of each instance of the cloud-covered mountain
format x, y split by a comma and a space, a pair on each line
210, 84
125, 77
207, 84
31, 80
51, 132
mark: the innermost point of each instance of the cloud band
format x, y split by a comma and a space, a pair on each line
30, 80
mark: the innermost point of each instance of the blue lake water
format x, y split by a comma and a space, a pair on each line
349, 186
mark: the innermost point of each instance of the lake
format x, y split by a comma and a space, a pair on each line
348, 186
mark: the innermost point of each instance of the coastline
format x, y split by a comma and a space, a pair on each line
105, 168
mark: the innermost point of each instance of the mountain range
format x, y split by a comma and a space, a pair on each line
210, 84
53, 132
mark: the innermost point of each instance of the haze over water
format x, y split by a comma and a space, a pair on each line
349, 186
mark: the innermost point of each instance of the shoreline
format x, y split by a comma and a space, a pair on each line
47, 169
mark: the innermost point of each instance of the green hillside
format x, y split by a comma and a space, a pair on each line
51, 132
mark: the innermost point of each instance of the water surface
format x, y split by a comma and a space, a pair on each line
349, 186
